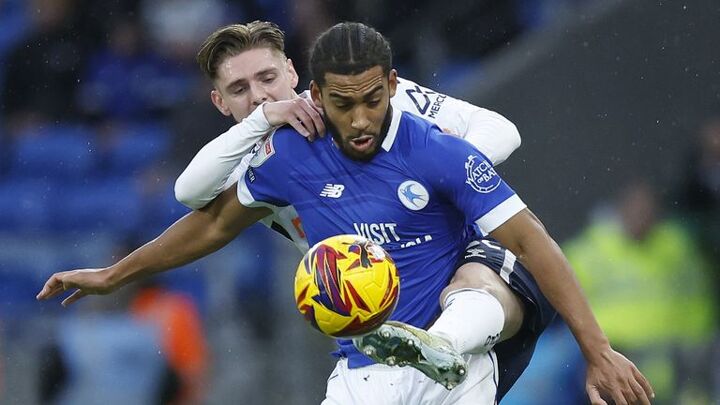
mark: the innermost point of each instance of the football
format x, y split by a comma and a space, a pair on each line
346, 286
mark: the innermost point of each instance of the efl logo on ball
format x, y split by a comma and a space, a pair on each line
346, 286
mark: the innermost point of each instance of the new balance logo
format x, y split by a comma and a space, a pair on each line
332, 190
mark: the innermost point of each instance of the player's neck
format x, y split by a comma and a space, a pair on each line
386, 125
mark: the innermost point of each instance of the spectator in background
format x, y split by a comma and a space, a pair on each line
176, 318
104, 356
700, 195
42, 71
176, 28
650, 290
146, 346
123, 81
14, 23
437, 40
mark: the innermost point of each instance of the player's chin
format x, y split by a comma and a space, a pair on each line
364, 155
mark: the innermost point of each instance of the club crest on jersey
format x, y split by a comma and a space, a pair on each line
413, 195
262, 151
481, 176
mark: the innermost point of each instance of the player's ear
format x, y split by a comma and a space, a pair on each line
219, 103
292, 73
316, 94
392, 82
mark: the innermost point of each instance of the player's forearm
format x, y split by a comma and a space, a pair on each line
207, 174
559, 284
546, 262
194, 236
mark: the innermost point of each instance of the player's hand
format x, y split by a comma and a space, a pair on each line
85, 281
613, 376
300, 113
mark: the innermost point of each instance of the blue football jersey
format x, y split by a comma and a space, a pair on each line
416, 198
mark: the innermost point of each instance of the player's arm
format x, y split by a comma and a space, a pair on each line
494, 135
491, 133
209, 172
609, 372
466, 177
196, 235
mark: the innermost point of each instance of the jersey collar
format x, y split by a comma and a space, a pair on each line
392, 130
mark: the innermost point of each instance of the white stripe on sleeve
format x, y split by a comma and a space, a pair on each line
500, 214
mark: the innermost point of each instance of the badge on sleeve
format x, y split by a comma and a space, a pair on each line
481, 175
262, 151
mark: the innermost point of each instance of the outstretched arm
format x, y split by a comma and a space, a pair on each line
195, 235
207, 174
609, 373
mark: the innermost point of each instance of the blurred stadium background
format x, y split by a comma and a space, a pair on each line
102, 106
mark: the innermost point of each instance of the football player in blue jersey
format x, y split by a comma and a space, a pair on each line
248, 69
422, 188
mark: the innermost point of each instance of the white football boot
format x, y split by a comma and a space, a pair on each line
399, 344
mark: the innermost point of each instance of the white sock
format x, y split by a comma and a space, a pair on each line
471, 320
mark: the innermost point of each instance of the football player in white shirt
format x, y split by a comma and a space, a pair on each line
257, 74
211, 170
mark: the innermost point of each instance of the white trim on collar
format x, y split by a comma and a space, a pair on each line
392, 130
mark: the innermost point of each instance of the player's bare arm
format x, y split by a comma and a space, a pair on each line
196, 235
609, 373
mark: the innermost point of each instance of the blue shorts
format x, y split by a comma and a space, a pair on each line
515, 353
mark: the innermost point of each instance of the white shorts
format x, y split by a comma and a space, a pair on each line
379, 384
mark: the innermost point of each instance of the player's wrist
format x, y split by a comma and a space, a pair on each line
596, 350
116, 276
272, 113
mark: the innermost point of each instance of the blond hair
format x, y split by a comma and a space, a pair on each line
234, 39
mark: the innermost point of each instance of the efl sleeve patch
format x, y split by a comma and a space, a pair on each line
262, 152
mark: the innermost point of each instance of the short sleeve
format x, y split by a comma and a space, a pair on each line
263, 179
468, 179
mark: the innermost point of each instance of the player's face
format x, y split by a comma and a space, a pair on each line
250, 78
356, 109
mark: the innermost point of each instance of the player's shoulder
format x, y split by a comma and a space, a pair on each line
415, 130
410, 96
404, 83
417, 136
285, 144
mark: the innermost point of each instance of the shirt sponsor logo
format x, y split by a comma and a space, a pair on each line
421, 99
379, 233
481, 176
382, 233
332, 190
413, 195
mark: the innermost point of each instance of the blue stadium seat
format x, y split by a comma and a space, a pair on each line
58, 152
25, 204
161, 211
108, 205
18, 287
140, 146
4, 151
